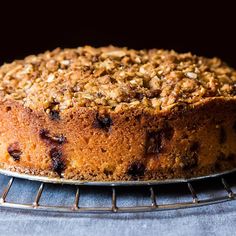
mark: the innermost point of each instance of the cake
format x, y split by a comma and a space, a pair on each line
117, 114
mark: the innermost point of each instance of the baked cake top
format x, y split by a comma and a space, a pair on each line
114, 77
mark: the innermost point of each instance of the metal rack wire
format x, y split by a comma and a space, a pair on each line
194, 200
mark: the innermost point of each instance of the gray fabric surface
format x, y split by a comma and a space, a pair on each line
218, 219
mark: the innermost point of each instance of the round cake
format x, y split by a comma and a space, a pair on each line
112, 114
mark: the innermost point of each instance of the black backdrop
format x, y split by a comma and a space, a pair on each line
204, 27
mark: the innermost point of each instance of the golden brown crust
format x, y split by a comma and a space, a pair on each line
114, 77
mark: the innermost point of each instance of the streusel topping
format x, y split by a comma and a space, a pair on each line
114, 77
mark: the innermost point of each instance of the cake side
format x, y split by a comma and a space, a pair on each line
90, 144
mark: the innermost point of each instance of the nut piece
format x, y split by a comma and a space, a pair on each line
191, 75
115, 54
155, 83
51, 77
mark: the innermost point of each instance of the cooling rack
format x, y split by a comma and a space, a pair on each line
116, 197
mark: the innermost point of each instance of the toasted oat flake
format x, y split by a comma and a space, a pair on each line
191, 75
116, 53
51, 77
65, 62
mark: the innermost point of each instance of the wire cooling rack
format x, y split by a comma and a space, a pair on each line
149, 196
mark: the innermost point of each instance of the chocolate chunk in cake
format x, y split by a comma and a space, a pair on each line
54, 115
190, 159
136, 169
53, 111
58, 164
102, 122
58, 139
155, 141
14, 151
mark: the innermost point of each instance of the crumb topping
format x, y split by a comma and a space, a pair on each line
114, 77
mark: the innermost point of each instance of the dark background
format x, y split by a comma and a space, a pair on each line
203, 27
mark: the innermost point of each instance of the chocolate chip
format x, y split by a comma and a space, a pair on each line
8, 108
107, 173
103, 150
223, 137
58, 164
44, 134
102, 122
156, 140
136, 169
190, 161
58, 139
153, 143
14, 151
54, 115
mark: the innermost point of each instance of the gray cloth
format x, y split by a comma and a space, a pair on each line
218, 219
